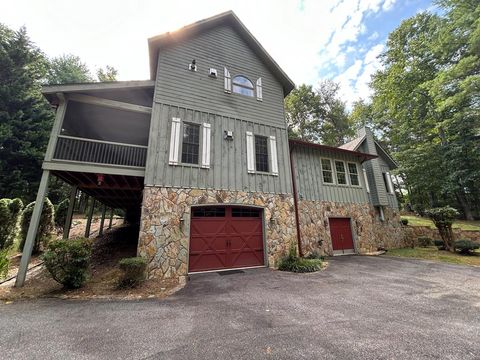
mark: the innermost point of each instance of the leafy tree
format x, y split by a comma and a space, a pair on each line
318, 115
67, 69
362, 114
109, 74
426, 101
25, 116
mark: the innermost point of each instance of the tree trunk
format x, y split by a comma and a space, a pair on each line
446, 233
465, 205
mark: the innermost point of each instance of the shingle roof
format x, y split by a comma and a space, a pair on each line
353, 145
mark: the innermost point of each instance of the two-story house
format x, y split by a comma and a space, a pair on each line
200, 154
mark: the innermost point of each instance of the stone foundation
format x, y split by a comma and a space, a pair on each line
414, 232
369, 232
165, 225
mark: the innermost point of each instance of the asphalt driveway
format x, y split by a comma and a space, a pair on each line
359, 308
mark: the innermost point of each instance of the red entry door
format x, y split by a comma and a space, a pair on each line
341, 233
225, 238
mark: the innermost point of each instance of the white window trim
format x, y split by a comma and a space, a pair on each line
175, 142
389, 183
365, 178
358, 175
250, 152
259, 89
347, 180
227, 81
331, 170
273, 156
206, 135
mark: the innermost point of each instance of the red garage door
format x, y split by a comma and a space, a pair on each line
225, 238
341, 232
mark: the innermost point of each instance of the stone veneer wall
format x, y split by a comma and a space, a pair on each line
414, 232
369, 232
164, 237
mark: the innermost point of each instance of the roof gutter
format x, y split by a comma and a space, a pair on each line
295, 202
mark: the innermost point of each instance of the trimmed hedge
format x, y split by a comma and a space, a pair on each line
424, 241
439, 244
68, 261
404, 221
133, 271
10, 211
466, 246
45, 227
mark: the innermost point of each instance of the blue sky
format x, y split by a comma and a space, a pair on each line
310, 39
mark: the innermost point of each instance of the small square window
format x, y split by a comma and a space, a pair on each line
190, 143
341, 175
261, 153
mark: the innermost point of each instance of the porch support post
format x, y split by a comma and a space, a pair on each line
111, 218
89, 220
104, 210
32, 229
71, 206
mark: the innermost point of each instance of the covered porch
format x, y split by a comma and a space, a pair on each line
98, 145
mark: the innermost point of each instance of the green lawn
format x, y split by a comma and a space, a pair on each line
461, 224
432, 253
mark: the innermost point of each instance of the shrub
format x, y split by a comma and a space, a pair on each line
68, 261
45, 227
404, 222
293, 263
10, 211
466, 246
439, 244
314, 255
61, 212
4, 262
443, 218
424, 241
133, 271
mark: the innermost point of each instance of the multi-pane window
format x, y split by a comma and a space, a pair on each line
190, 143
327, 171
241, 85
261, 153
353, 174
340, 170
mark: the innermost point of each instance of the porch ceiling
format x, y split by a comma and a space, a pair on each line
117, 191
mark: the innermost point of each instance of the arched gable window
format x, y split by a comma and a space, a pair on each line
241, 85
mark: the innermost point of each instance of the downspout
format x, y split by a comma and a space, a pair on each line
295, 203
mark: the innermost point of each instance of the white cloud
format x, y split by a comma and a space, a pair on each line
374, 36
388, 4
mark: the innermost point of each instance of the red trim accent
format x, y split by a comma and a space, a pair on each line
295, 204
362, 156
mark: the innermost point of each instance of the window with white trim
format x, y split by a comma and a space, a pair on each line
241, 85
189, 143
353, 174
340, 172
261, 153
327, 171
388, 182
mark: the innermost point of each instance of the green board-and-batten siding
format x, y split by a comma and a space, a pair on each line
309, 180
218, 48
228, 167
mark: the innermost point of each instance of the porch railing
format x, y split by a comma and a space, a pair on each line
99, 152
